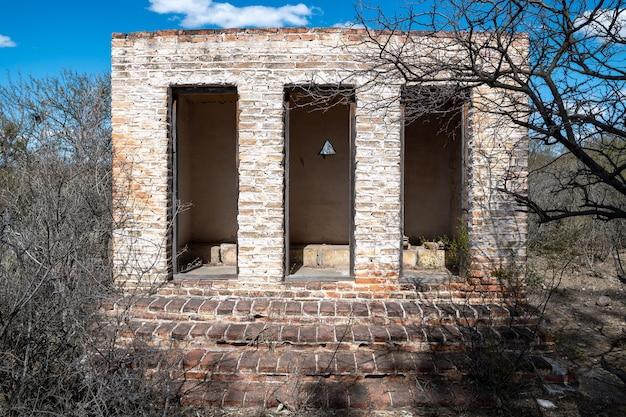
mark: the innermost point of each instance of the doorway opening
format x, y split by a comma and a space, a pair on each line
319, 146
205, 182
434, 130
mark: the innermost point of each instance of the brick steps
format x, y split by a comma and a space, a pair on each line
335, 379
263, 309
320, 380
244, 352
338, 380
373, 394
376, 337
237, 364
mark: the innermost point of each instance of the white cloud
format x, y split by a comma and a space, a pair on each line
199, 13
6, 42
348, 25
605, 23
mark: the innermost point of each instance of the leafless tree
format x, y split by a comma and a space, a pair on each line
55, 266
568, 91
570, 85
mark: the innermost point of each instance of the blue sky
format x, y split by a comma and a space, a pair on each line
42, 37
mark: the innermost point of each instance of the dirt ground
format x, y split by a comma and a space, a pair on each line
587, 314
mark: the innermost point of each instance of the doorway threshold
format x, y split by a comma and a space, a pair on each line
210, 272
312, 274
426, 275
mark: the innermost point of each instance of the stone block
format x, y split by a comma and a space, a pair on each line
431, 258
215, 254
409, 257
334, 255
228, 253
310, 255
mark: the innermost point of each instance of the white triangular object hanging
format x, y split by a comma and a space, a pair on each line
327, 149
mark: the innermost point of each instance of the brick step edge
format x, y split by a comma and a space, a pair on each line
455, 289
376, 337
297, 392
296, 395
361, 364
199, 308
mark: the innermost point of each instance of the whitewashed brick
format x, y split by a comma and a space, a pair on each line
260, 63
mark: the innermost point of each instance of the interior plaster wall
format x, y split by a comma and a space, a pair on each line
207, 168
319, 187
432, 177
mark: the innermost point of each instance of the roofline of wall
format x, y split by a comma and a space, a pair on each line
360, 32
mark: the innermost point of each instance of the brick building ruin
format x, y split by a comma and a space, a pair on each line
271, 205
217, 138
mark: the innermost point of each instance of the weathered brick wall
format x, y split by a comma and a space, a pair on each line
497, 153
260, 63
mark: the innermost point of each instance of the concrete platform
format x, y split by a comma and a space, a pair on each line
317, 262
316, 274
210, 272
309, 274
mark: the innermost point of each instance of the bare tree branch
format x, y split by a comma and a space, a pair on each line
570, 83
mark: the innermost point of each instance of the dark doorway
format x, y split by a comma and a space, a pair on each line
205, 179
433, 181
319, 126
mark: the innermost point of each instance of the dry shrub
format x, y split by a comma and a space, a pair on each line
55, 267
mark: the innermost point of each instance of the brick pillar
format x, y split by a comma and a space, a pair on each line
261, 183
378, 179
